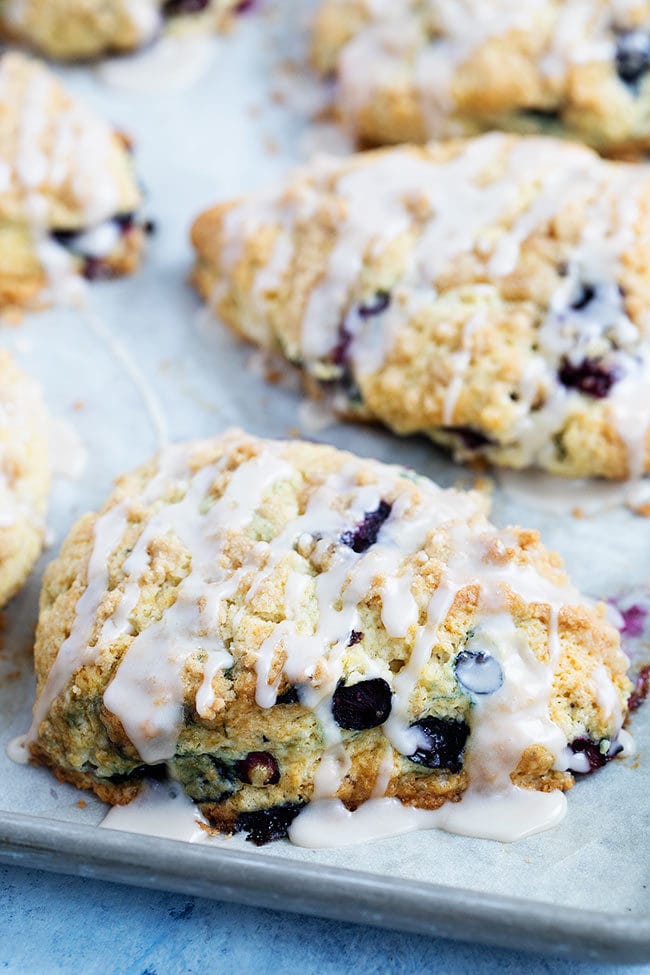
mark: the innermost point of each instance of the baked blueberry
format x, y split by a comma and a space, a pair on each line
641, 689
478, 672
591, 377
584, 295
594, 753
634, 620
181, 8
258, 768
356, 636
442, 743
357, 707
365, 534
470, 438
632, 56
265, 825
290, 696
375, 306
340, 352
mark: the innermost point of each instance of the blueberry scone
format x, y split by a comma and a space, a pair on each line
408, 70
69, 198
75, 30
24, 475
282, 623
491, 293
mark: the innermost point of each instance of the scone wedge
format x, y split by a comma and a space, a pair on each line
281, 623
409, 70
69, 198
491, 293
80, 30
24, 475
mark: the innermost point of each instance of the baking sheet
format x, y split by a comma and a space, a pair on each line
238, 129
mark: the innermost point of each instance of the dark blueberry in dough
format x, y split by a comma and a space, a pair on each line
471, 439
541, 115
376, 306
585, 294
478, 672
632, 56
356, 636
641, 689
342, 347
125, 221
290, 696
358, 707
591, 377
591, 750
258, 768
64, 237
443, 743
179, 8
365, 534
96, 269
265, 825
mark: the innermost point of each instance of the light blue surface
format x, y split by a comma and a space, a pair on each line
51, 924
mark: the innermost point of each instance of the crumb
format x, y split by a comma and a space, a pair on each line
81, 804
271, 147
12, 316
484, 484
578, 513
642, 509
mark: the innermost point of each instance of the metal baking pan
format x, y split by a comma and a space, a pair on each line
144, 361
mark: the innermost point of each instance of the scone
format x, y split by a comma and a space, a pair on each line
75, 30
24, 475
491, 293
284, 622
408, 70
69, 198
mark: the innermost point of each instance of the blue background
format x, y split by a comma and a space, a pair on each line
51, 924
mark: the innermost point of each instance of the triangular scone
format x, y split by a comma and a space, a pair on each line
492, 294
24, 475
284, 621
69, 198
76, 30
410, 70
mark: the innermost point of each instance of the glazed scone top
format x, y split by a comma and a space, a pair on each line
464, 63
473, 284
61, 166
249, 557
82, 28
24, 474
85, 29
